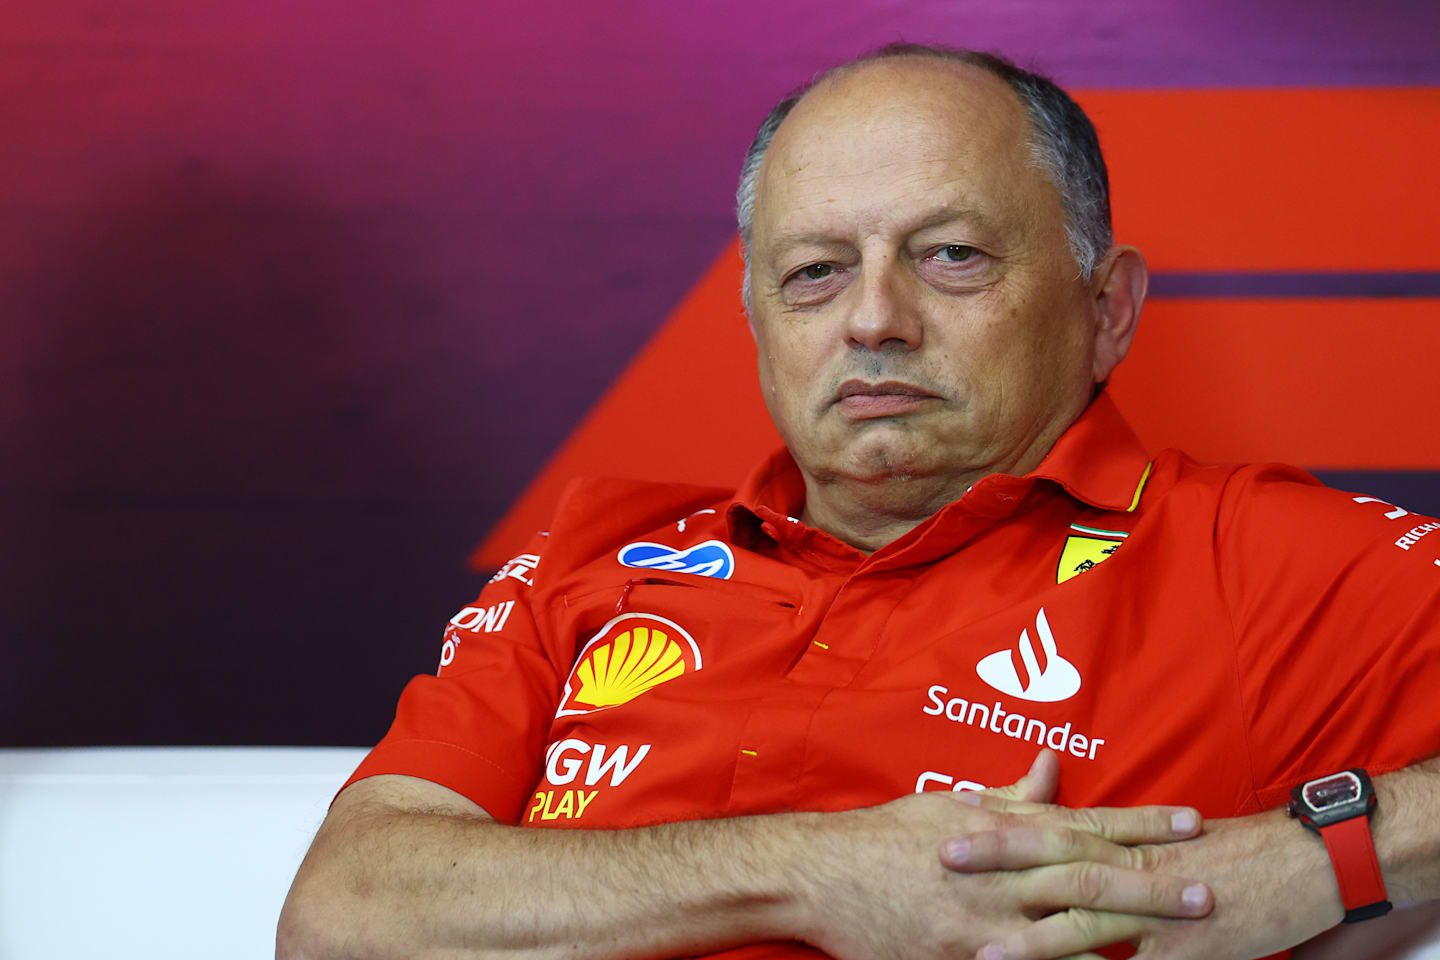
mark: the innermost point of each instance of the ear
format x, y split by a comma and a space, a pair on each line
1119, 289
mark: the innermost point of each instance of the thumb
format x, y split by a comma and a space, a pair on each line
1039, 785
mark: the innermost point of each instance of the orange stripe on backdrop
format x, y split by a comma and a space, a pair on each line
1274, 180
1323, 383
1327, 384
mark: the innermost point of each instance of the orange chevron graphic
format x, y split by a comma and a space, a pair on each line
1205, 180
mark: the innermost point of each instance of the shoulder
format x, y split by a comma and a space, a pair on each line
1242, 499
1277, 500
606, 507
597, 515
1280, 538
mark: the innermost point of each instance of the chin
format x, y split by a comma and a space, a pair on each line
872, 462
877, 453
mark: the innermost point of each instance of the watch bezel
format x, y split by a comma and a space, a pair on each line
1315, 819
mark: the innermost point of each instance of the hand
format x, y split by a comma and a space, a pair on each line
877, 889
1272, 884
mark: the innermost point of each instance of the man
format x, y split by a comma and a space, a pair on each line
963, 558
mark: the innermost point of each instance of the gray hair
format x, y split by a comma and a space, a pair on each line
1063, 144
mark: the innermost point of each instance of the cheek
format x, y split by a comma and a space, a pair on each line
986, 352
1011, 353
778, 383
770, 369
763, 371
786, 363
792, 368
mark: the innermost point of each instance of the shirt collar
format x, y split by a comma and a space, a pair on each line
1098, 460
774, 490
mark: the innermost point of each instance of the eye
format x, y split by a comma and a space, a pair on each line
955, 253
814, 284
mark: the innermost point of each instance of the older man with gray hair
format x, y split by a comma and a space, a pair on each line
766, 721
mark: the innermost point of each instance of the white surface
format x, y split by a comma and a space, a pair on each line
155, 852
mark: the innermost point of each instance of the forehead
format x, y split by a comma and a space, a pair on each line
901, 138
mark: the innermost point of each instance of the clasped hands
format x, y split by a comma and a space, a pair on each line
1022, 879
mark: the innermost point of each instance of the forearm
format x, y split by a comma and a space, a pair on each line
402, 868
1289, 893
1406, 827
414, 885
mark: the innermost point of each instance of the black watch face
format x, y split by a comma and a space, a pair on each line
1334, 791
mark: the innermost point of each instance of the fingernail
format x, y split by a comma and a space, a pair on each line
992, 951
967, 796
958, 849
1194, 896
1184, 821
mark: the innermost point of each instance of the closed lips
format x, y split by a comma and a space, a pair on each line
890, 388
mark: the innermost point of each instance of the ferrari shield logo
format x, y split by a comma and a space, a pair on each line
1086, 547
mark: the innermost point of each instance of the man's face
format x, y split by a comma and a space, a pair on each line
917, 311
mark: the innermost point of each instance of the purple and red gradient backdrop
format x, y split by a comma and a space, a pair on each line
299, 297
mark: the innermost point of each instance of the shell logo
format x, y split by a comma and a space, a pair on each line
631, 654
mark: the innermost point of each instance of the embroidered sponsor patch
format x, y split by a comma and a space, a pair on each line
709, 559
630, 655
1030, 672
1085, 548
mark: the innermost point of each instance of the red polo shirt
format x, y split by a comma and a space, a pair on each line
1181, 633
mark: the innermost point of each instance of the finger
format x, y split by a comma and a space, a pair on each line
1039, 783
1099, 886
1071, 933
1128, 825
1073, 956
1021, 848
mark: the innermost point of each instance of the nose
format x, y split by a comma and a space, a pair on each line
885, 315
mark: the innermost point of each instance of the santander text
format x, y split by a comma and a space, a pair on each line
996, 719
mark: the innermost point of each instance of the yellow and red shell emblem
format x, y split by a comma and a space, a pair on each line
631, 654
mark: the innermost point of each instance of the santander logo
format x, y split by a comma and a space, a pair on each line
1041, 675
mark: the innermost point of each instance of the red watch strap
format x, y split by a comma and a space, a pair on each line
1352, 851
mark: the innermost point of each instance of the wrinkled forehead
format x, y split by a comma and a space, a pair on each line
875, 139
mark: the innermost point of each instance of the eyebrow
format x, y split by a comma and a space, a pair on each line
949, 216
786, 239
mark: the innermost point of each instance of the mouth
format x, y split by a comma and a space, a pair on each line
859, 400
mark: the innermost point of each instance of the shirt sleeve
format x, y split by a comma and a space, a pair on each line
1335, 606
479, 725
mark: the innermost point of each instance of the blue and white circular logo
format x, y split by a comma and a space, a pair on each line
709, 559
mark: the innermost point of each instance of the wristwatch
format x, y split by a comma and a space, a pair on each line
1338, 808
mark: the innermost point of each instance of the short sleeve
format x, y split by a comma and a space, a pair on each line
1335, 607
479, 725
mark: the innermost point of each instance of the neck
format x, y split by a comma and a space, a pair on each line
867, 514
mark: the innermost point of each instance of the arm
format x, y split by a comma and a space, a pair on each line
1273, 882
1406, 828
403, 867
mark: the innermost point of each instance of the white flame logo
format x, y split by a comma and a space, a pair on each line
1044, 681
